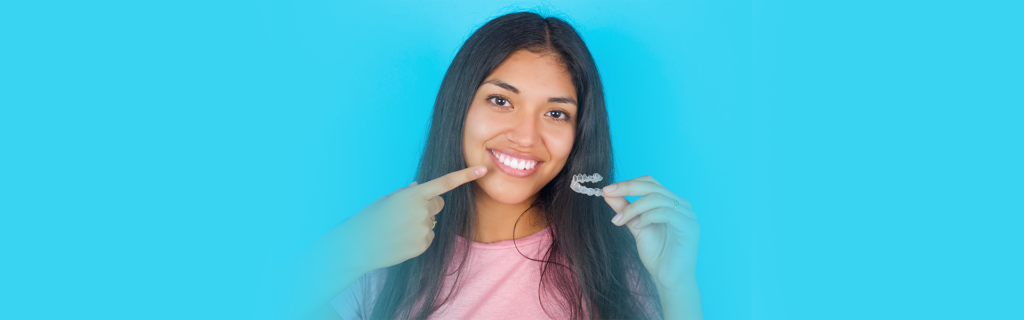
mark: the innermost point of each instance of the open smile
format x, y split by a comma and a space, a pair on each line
513, 166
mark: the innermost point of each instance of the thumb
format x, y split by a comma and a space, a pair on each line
617, 203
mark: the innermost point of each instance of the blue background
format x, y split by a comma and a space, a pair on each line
847, 161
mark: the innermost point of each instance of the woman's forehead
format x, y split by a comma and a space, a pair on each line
533, 75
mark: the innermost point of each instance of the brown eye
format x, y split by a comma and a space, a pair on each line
498, 101
560, 116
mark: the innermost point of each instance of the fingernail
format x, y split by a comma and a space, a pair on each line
609, 188
616, 219
480, 171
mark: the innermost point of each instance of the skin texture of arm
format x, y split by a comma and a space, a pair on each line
307, 286
681, 302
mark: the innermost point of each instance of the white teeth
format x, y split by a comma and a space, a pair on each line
514, 163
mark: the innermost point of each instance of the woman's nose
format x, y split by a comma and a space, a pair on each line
523, 131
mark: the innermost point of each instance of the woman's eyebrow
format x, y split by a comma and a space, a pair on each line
502, 84
563, 100
509, 87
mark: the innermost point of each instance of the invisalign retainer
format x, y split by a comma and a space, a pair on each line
575, 186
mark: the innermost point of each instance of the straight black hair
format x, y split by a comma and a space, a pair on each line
592, 267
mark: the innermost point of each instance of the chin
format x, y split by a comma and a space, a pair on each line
509, 194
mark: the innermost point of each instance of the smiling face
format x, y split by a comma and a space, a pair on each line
524, 115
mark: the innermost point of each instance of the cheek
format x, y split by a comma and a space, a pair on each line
559, 144
471, 131
479, 127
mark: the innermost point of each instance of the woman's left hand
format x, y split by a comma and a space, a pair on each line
664, 225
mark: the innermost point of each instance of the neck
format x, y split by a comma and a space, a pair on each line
495, 220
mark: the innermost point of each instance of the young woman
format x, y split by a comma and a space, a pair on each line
520, 112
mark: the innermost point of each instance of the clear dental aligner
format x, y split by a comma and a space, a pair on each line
575, 186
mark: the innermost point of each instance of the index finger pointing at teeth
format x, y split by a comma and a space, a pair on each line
450, 181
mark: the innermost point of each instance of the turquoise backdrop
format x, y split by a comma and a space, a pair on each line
847, 160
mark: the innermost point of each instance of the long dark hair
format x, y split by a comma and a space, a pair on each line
591, 264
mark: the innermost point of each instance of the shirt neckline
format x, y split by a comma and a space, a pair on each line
543, 234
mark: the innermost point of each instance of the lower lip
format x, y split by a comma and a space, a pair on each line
511, 171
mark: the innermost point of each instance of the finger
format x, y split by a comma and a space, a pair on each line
674, 220
435, 205
641, 188
617, 203
450, 181
686, 210
633, 188
647, 178
430, 224
413, 184
638, 207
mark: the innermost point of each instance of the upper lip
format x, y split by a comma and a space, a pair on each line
517, 154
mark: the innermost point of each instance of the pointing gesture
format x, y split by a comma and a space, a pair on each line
450, 181
399, 225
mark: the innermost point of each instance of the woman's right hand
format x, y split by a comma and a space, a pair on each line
399, 226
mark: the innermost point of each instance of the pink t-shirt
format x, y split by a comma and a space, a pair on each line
499, 284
